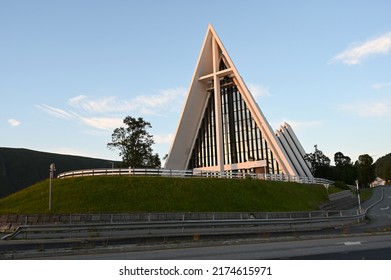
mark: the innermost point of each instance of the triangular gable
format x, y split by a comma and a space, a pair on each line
214, 64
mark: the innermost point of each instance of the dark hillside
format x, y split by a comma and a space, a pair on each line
21, 168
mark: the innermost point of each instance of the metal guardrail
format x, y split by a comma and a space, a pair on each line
244, 222
191, 173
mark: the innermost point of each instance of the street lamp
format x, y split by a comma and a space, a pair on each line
52, 169
326, 186
358, 196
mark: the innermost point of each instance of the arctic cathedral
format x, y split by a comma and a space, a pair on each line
222, 128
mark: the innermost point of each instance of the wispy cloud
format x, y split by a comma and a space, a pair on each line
102, 123
259, 91
163, 101
357, 52
107, 113
100, 105
13, 122
367, 109
56, 112
167, 98
381, 86
163, 139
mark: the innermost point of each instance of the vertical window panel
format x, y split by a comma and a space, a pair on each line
242, 138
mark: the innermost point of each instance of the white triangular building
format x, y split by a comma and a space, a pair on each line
222, 128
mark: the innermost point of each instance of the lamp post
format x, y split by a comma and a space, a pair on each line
326, 186
358, 197
52, 169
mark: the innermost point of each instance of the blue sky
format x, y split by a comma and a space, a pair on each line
71, 71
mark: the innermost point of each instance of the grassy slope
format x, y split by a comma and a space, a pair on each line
157, 194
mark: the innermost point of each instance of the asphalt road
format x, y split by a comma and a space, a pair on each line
380, 214
357, 247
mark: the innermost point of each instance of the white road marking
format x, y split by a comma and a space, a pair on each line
350, 243
385, 208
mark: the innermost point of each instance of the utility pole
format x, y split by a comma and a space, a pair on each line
358, 197
52, 169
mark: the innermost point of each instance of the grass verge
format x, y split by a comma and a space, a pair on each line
160, 194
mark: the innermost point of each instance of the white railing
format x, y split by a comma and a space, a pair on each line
191, 173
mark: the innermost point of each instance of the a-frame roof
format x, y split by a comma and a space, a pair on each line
206, 70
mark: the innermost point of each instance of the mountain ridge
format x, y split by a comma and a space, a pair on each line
21, 167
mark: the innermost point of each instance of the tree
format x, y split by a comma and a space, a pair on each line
344, 169
366, 170
320, 164
341, 160
383, 167
135, 143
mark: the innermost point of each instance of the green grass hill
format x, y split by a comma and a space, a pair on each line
21, 168
161, 194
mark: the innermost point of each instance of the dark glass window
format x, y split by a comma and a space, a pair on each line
242, 139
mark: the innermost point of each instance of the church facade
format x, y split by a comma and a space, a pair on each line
222, 128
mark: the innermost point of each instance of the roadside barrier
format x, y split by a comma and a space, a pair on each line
173, 224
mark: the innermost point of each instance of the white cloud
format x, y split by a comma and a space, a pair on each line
102, 123
163, 139
107, 113
77, 100
367, 109
258, 90
101, 105
165, 100
381, 86
13, 122
359, 51
56, 112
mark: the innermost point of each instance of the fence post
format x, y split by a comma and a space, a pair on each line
111, 222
